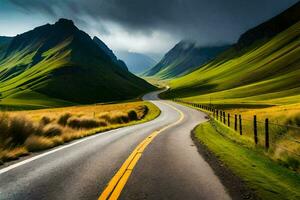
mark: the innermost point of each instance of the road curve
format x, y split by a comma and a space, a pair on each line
169, 168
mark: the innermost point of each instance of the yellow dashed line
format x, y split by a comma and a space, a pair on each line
118, 182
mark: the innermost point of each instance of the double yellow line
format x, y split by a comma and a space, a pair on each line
117, 183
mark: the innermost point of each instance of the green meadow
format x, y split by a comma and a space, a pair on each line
265, 73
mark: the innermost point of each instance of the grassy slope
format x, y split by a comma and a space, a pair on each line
175, 68
265, 73
17, 92
267, 178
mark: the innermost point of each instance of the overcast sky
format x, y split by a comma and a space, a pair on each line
145, 26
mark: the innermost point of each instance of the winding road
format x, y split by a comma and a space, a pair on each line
155, 160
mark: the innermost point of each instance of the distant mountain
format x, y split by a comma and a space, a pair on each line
110, 53
136, 62
264, 66
59, 64
183, 58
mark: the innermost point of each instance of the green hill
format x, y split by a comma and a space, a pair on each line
263, 67
183, 58
59, 64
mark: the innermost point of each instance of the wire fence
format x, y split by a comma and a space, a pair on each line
274, 137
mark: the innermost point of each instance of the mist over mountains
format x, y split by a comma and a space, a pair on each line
183, 58
137, 63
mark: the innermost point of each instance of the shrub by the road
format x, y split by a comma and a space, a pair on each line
20, 135
85, 123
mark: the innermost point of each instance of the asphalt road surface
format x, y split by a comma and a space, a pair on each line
169, 168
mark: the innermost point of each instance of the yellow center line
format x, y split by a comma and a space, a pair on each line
118, 182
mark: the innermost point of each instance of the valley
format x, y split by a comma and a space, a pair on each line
117, 101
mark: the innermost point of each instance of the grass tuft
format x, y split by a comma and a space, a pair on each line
118, 118
37, 143
52, 130
85, 123
45, 120
63, 119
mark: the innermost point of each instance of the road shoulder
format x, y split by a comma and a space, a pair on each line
235, 186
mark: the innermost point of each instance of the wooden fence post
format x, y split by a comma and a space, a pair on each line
255, 129
221, 117
267, 134
217, 114
235, 122
224, 119
228, 119
241, 127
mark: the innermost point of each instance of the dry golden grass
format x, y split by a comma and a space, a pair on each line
87, 111
284, 138
12, 154
284, 130
284, 114
35, 130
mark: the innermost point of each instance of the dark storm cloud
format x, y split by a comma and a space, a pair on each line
208, 21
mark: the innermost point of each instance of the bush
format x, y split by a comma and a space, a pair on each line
52, 130
4, 127
119, 118
36, 143
45, 120
146, 110
85, 123
132, 115
20, 129
63, 119
15, 130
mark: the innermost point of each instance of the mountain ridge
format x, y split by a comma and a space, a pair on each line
183, 58
63, 63
137, 62
271, 27
110, 53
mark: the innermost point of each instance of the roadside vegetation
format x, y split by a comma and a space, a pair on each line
281, 114
265, 176
23, 132
284, 138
